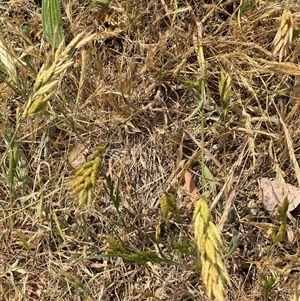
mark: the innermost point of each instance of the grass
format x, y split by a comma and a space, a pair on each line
98, 133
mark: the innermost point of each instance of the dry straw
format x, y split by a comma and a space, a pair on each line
209, 244
7, 60
284, 35
49, 76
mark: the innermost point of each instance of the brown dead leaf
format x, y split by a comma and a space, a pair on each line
274, 193
191, 187
77, 154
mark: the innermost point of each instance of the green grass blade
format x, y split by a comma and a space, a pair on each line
52, 22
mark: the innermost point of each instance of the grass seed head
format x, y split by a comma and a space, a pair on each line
208, 240
86, 177
284, 35
49, 76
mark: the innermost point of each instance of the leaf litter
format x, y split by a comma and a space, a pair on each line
273, 194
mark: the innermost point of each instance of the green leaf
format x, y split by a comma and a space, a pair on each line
25, 243
296, 33
234, 242
142, 257
52, 22
269, 284
210, 179
248, 5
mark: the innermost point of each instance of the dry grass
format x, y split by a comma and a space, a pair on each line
145, 82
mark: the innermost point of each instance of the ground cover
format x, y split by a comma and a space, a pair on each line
109, 142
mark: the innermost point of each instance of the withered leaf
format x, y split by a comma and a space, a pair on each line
76, 155
274, 193
191, 187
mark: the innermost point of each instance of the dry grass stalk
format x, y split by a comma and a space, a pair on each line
86, 177
250, 135
276, 67
49, 76
82, 75
209, 243
284, 35
294, 98
292, 155
8, 62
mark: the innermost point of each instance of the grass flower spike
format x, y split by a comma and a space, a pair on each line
209, 243
86, 177
49, 76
